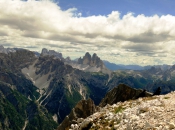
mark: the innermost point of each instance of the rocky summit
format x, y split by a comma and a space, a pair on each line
46, 52
147, 113
92, 61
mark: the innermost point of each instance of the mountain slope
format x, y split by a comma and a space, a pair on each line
18, 95
62, 86
75, 120
155, 112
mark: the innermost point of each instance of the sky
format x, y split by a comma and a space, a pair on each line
121, 31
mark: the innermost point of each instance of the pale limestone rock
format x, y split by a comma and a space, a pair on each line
85, 123
148, 114
79, 120
171, 126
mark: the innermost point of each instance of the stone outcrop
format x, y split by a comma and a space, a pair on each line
147, 113
83, 109
46, 52
122, 93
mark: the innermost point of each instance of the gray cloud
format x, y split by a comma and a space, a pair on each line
36, 24
3, 33
150, 37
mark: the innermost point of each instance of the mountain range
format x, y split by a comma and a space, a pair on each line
113, 66
42, 89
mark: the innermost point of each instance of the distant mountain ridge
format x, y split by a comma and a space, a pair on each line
113, 66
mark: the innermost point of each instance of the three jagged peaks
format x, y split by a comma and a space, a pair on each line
92, 61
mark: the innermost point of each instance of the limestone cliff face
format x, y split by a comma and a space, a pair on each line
83, 109
122, 93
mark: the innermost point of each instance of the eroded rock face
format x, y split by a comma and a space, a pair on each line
83, 109
122, 93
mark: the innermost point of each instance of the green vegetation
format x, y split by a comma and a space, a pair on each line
9, 117
166, 97
118, 109
15, 109
41, 120
73, 98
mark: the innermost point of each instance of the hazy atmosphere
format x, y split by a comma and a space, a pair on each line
122, 32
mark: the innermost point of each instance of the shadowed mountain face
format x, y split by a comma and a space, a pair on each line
18, 106
62, 86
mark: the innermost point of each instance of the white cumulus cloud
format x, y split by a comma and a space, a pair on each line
128, 39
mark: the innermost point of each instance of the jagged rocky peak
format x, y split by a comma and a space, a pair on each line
6, 50
68, 59
93, 60
154, 70
3, 50
122, 93
46, 52
83, 109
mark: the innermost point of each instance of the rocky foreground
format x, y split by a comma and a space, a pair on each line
155, 113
